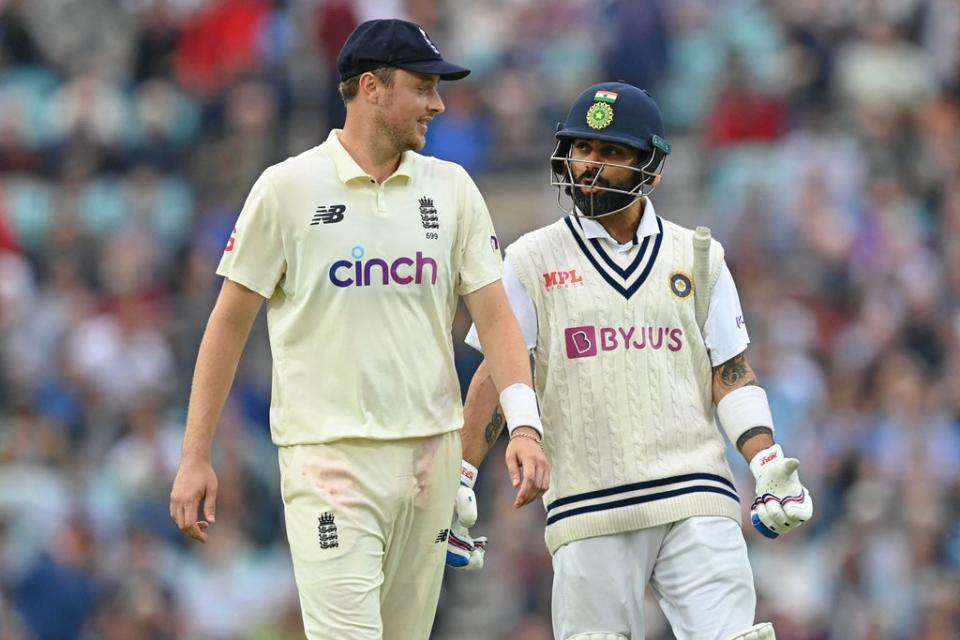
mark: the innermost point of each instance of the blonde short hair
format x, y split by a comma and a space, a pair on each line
351, 86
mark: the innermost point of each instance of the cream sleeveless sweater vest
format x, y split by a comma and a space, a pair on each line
624, 382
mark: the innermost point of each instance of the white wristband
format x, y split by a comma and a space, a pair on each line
519, 404
742, 410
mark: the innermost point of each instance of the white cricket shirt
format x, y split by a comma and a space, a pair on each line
361, 281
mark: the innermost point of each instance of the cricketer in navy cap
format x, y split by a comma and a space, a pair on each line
394, 43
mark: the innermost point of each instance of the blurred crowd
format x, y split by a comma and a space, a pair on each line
820, 139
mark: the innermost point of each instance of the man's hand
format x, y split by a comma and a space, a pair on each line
782, 503
527, 464
463, 551
196, 482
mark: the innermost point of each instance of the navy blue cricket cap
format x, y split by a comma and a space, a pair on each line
393, 43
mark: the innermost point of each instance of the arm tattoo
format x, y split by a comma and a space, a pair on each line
749, 433
494, 427
734, 373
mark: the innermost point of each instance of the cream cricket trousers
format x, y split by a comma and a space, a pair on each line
697, 567
367, 522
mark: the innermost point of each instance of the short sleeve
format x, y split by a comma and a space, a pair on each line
522, 305
725, 332
254, 254
478, 250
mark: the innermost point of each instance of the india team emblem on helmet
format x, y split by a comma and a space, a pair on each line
600, 115
680, 284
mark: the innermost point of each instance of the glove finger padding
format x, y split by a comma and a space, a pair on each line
771, 513
463, 551
764, 530
798, 509
465, 506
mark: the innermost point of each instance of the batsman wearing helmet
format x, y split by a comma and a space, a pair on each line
630, 378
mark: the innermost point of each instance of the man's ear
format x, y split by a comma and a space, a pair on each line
370, 88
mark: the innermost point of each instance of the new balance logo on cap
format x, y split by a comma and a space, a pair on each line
328, 214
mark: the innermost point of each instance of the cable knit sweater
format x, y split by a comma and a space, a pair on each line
623, 380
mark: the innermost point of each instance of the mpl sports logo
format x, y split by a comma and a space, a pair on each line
553, 279
358, 272
588, 341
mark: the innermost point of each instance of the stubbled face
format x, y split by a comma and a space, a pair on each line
591, 197
405, 108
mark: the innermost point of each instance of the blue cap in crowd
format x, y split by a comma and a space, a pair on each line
393, 43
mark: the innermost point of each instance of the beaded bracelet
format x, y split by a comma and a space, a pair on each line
521, 434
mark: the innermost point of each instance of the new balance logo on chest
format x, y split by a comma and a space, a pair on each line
553, 279
328, 214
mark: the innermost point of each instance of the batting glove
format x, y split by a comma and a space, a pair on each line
782, 503
464, 551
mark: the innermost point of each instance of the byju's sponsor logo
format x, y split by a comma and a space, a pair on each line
358, 272
581, 341
553, 279
588, 340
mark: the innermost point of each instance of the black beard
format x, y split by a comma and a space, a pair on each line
600, 203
